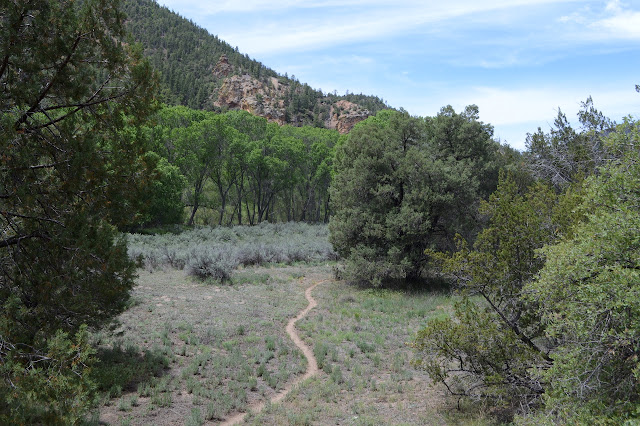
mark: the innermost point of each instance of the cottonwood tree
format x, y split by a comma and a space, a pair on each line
308, 200
67, 175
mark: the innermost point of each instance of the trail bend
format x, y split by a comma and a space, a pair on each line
312, 363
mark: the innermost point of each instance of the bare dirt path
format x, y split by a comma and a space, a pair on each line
312, 363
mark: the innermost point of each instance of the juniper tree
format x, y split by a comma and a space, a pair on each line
494, 342
403, 184
68, 174
587, 297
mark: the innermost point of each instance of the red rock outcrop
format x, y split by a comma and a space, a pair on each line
266, 99
344, 115
223, 68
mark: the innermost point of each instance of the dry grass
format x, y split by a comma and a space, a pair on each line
225, 347
367, 376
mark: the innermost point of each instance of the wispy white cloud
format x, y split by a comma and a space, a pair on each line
625, 25
267, 27
613, 22
251, 6
518, 111
502, 106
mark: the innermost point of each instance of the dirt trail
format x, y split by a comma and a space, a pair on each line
312, 363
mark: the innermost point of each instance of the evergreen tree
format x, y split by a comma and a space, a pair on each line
68, 174
492, 345
402, 185
587, 296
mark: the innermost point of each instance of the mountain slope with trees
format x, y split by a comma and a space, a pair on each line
200, 71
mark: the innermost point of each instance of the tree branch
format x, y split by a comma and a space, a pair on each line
18, 238
49, 85
516, 329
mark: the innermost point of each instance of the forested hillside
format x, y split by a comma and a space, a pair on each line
201, 71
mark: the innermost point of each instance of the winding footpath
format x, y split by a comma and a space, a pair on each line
312, 363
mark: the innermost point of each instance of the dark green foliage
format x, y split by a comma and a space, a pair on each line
68, 174
402, 185
164, 205
49, 386
587, 296
494, 342
466, 143
477, 357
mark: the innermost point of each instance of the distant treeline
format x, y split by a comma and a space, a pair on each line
236, 168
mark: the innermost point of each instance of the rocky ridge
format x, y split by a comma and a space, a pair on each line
267, 98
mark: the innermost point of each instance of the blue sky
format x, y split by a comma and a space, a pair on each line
518, 60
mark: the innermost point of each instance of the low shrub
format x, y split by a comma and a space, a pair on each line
212, 253
215, 263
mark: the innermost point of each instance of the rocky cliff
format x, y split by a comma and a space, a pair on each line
269, 97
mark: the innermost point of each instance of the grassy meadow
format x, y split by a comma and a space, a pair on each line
196, 348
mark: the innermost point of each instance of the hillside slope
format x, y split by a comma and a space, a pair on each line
201, 71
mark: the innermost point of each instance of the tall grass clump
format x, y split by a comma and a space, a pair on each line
213, 253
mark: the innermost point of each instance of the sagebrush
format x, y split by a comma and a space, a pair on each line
215, 252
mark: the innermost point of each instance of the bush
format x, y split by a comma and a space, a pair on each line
215, 263
214, 252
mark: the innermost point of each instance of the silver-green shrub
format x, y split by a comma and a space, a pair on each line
212, 262
209, 252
